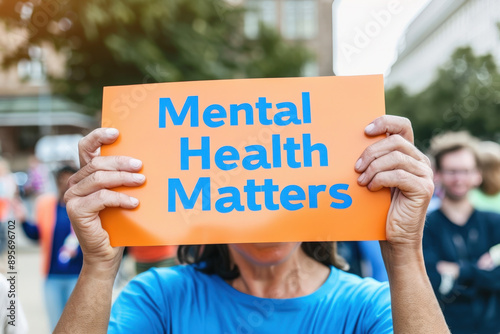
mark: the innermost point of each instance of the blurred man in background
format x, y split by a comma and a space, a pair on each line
458, 240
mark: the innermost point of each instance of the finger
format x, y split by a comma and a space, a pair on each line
409, 184
89, 146
105, 180
392, 161
385, 146
389, 124
89, 206
112, 163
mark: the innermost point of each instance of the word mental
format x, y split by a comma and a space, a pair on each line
215, 115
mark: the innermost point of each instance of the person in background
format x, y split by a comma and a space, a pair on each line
11, 205
487, 196
61, 255
38, 177
8, 191
458, 240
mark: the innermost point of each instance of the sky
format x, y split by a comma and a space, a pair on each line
366, 33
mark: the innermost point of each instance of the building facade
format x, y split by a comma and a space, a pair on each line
28, 109
442, 27
307, 21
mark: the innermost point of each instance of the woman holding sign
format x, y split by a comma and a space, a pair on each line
257, 288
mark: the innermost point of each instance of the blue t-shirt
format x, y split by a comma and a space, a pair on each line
184, 300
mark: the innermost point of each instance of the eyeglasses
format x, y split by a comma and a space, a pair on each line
458, 172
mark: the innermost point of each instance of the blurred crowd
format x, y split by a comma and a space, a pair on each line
461, 238
28, 199
462, 234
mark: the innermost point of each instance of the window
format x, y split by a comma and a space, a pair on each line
299, 19
259, 11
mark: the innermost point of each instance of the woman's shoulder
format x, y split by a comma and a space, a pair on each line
359, 298
366, 288
164, 286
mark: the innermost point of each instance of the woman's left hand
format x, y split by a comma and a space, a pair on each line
394, 162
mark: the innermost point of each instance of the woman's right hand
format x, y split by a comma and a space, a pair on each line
89, 193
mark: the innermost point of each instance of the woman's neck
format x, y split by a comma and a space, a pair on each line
297, 276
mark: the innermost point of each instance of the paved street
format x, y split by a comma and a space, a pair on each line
30, 287
30, 284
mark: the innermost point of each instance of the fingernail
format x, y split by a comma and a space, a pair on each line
139, 177
361, 178
135, 163
134, 201
111, 132
358, 163
369, 128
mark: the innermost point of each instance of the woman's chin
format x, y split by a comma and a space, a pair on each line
266, 254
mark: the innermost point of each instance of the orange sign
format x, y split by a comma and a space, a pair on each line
251, 160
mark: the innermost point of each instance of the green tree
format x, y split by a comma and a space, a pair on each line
116, 42
464, 96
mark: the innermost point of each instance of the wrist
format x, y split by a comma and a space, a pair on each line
102, 269
92, 272
402, 256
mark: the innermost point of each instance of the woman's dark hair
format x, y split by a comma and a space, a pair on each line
215, 259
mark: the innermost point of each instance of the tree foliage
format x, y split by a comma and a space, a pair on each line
464, 96
116, 42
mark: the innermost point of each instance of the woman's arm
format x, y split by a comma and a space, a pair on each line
88, 308
415, 308
394, 162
